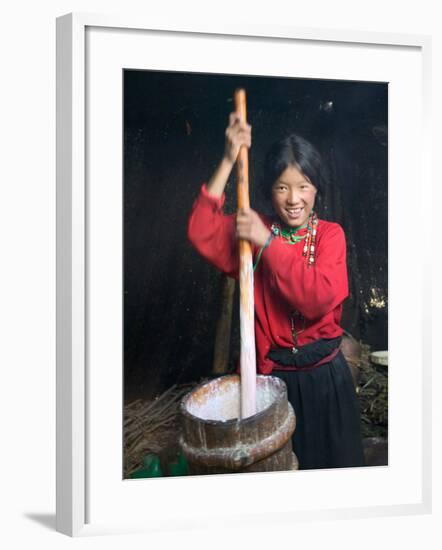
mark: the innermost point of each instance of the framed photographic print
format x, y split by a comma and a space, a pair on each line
141, 318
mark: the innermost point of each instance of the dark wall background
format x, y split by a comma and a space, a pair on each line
174, 127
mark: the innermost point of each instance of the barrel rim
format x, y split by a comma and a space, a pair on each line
231, 421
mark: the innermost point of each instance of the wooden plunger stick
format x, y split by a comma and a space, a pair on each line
247, 306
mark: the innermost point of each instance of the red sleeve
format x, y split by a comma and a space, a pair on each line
316, 290
213, 234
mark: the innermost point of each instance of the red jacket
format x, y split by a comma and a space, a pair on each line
282, 281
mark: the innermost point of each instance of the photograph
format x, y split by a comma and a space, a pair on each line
255, 273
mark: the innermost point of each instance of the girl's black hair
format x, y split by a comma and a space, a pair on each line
293, 150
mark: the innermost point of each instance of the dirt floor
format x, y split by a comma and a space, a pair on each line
153, 427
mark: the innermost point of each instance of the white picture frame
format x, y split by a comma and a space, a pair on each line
88, 501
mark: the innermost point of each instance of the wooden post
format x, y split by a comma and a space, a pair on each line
223, 327
247, 305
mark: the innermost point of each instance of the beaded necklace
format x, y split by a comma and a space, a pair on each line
291, 237
308, 251
294, 316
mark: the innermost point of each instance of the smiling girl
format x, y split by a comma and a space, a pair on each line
300, 283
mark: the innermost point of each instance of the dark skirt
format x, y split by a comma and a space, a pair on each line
328, 425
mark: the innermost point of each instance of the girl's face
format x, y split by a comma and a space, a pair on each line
293, 197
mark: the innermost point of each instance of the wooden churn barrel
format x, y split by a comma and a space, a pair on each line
216, 440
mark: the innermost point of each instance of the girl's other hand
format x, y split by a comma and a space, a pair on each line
249, 226
237, 134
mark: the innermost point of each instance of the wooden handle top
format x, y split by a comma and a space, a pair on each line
240, 103
242, 162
